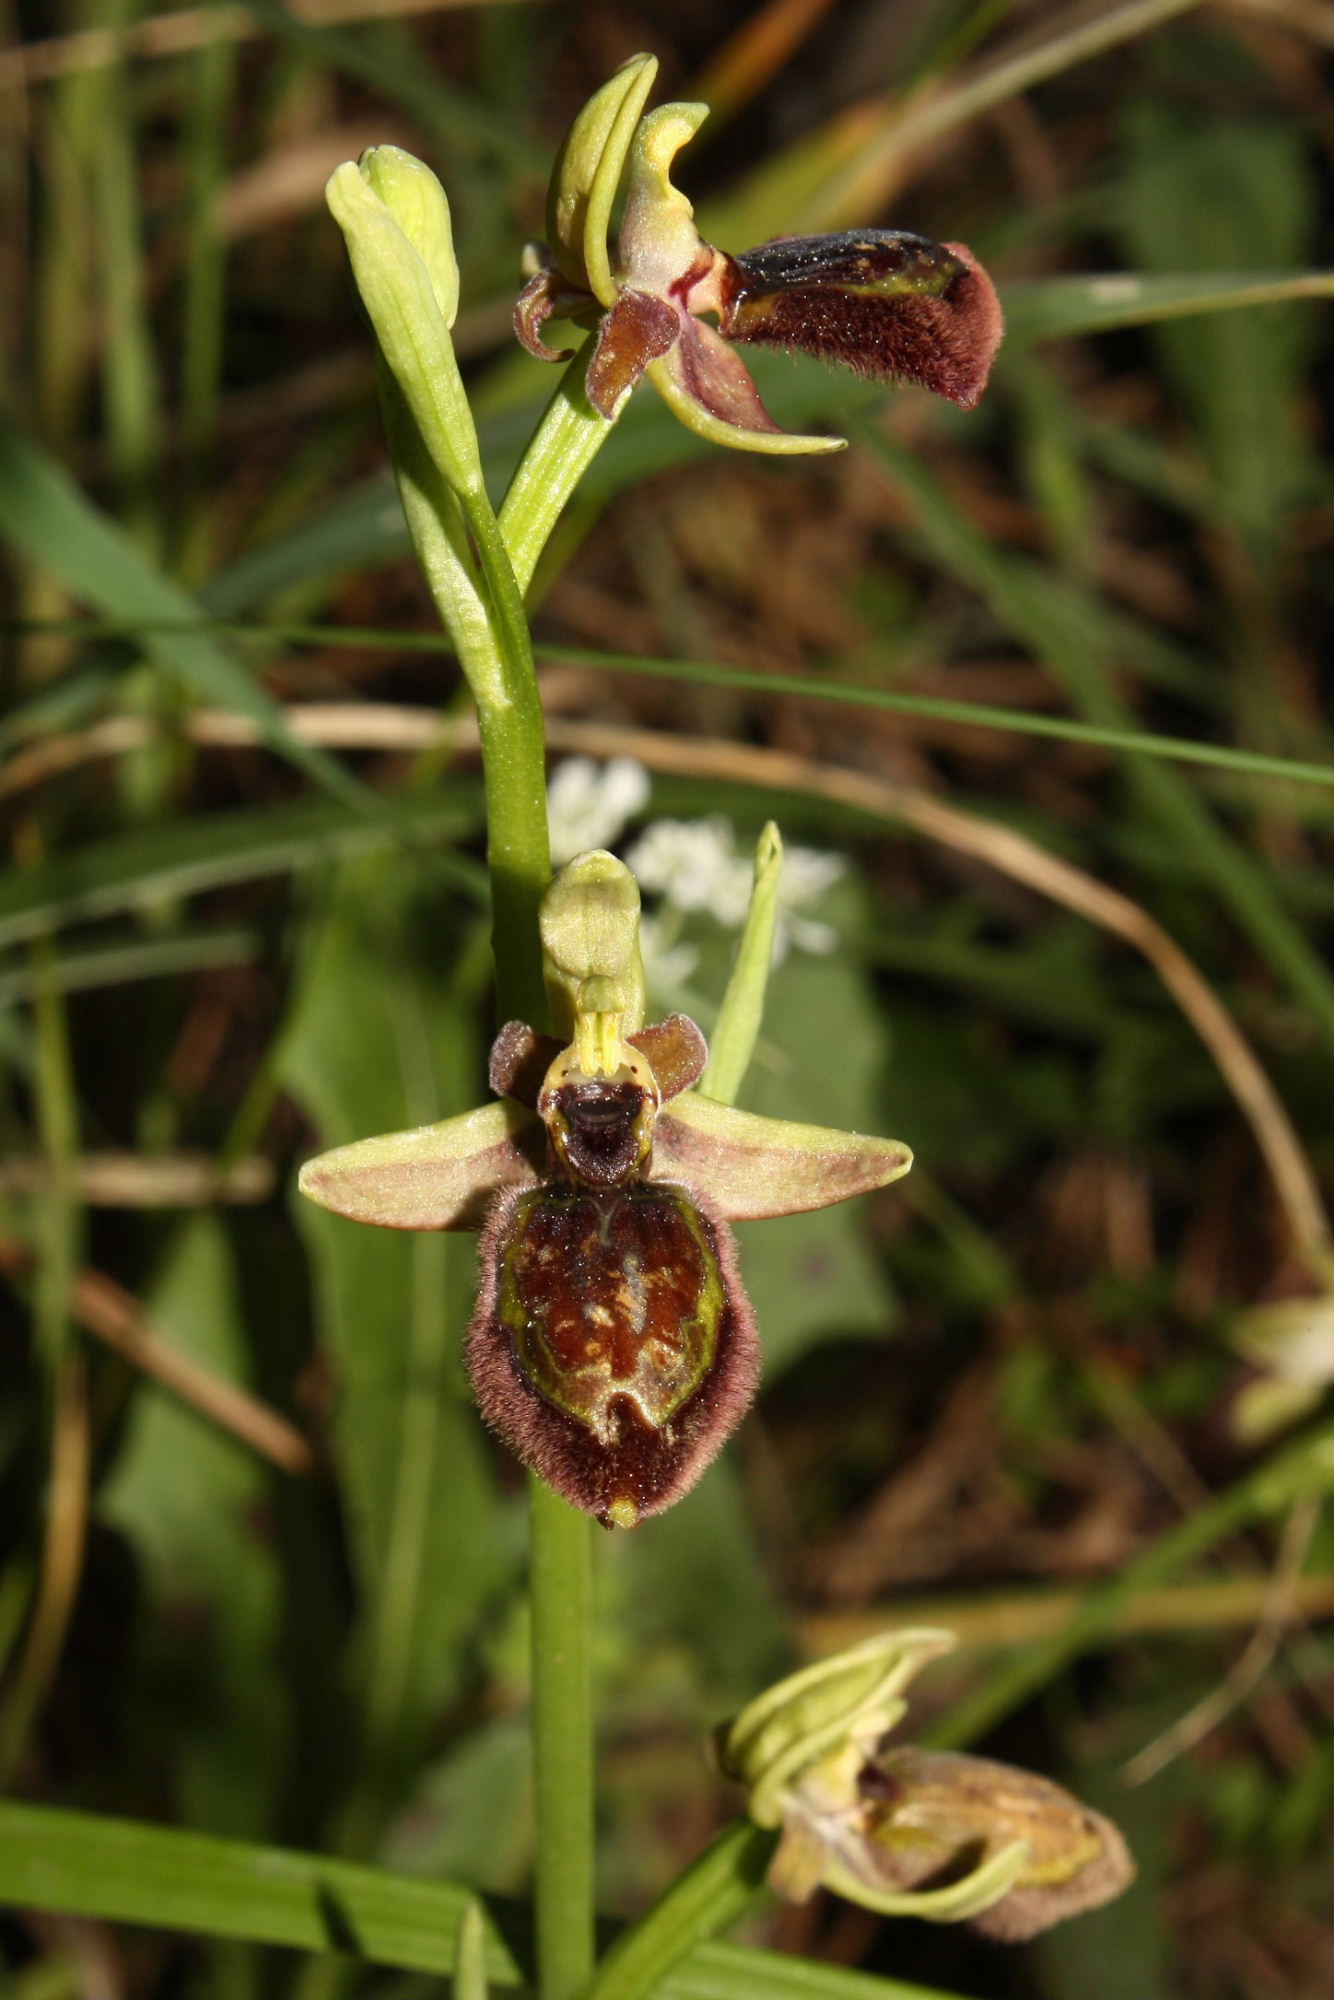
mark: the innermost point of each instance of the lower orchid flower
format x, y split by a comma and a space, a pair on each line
905, 1831
612, 1347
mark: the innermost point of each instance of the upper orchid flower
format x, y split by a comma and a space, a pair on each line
888, 304
613, 1348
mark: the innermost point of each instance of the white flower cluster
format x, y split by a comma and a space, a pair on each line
589, 805
692, 864
695, 865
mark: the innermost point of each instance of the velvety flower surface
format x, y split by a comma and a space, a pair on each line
612, 1346
889, 304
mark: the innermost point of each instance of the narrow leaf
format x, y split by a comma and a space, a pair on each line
128, 1872
60, 529
1057, 307
738, 1025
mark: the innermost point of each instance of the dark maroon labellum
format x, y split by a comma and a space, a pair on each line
886, 303
612, 1347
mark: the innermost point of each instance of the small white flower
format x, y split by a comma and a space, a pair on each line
589, 805
695, 865
668, 966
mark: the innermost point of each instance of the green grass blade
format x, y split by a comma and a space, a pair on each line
119, 964
60, 529
969, 714
139, 1874
707, 673
133, 870
128, 366
1052, 308
1054, 617
128, 1872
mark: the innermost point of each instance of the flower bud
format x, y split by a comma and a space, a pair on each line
417, 203
395, 219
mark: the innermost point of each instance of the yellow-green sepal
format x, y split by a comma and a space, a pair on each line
442, 1176
588, 172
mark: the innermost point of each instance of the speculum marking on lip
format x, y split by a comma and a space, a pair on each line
633, 1275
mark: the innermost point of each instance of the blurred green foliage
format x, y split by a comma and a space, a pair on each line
1008, 1377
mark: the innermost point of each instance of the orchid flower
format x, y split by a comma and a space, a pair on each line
905, 1831
889, 304
612, 1347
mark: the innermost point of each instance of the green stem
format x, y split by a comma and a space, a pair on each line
561, 450
481, 602
713, 1892
514, 774
509, 714
561, 1602
484, 617
477, 568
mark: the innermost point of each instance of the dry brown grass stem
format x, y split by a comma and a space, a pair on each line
1283, 1604
63, 1545
115, 1316
379, 726
139, 1180
1019, 1618
1304, 17
188, 28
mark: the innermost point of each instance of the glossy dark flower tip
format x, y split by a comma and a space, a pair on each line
888, 304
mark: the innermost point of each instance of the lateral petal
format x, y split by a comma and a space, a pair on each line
677, 1051
637, 330
432, 1177
749, 1167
